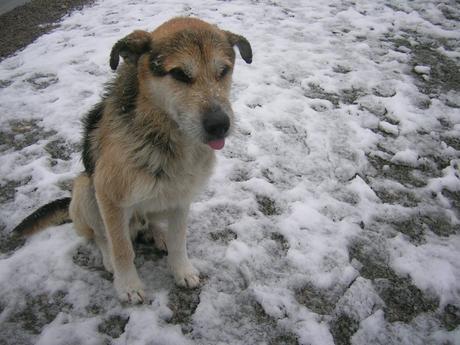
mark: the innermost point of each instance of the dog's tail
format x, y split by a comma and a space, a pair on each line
53, 213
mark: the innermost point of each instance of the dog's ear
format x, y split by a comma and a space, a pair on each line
243, 45
130, 48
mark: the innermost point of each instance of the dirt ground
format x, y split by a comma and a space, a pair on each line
24, 24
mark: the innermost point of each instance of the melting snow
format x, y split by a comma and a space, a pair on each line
340, 185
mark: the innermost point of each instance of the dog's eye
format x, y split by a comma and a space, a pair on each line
224, 72
180, 75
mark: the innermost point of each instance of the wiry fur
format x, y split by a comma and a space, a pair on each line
145, 146
53, 213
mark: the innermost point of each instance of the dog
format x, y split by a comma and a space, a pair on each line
149, 146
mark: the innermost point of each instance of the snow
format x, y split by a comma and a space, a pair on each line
388, 128
433, 266
336, 145
407, 157
144, 328
422, 69
62, 330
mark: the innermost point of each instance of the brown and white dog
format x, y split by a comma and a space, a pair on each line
149, 145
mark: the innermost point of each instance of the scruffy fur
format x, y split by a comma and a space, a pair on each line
146, 147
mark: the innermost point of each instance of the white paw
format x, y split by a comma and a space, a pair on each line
160, 241
187, 276
131, 292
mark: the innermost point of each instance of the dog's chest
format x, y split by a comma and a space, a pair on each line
175, 185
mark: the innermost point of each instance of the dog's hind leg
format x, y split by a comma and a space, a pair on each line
84, 230
156, 233
176, 241
85, 215
78, 206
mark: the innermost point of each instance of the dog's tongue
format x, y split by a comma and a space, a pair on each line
217, 144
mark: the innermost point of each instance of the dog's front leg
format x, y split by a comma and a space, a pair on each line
176, 241
116, 220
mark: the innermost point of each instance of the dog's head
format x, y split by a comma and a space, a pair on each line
185, 68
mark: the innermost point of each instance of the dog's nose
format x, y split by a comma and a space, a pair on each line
216, 123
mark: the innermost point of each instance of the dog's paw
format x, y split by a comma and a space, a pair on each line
187, 276
131, 295
131, 292
160, 241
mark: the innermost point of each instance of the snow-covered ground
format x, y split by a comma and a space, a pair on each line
333, 214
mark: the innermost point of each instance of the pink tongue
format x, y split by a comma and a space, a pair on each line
217, 144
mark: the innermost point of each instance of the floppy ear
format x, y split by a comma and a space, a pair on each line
130, 48
243, 45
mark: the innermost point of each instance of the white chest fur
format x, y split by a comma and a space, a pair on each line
175, 186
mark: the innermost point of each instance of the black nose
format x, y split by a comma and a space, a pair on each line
216, 123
